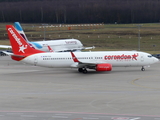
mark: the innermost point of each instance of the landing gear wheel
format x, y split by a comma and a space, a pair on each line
80, 69
142, 69
85, 71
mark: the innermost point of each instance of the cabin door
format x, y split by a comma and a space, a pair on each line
35, 60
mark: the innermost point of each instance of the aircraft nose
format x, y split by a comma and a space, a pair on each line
155, 59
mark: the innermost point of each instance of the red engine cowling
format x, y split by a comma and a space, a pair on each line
104, 67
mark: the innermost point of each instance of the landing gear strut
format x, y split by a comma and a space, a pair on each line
142, 69
83, 70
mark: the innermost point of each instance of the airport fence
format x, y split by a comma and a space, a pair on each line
62, 27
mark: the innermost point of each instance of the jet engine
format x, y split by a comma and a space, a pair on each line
104, 67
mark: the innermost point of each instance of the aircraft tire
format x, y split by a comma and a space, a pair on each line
85, 71
80, 70
142, 69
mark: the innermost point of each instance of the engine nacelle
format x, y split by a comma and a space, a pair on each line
104, 67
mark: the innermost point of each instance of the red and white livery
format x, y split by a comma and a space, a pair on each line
100, 61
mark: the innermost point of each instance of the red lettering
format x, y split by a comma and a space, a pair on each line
105, 57
118, 57
109, 57
121, 57
134, 56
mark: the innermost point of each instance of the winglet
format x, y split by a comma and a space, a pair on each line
50, 49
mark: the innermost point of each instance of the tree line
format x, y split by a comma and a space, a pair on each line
80, 11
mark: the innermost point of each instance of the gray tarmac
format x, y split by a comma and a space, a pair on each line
36, 93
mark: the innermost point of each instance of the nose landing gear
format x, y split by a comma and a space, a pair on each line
142, 69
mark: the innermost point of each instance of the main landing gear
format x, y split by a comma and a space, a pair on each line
83, 70
142, 69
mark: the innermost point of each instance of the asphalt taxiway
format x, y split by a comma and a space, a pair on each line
36, 93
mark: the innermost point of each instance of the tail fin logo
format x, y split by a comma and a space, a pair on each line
21, 46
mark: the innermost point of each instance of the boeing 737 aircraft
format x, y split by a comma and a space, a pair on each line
62, 45
100, 61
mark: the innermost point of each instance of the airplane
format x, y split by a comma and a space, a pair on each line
97, 60
62, 45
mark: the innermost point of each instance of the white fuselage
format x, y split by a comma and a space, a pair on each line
58, 45
115, 58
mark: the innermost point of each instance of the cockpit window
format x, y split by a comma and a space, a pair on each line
149, 56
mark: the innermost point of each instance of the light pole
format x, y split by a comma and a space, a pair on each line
139, 47
44, 32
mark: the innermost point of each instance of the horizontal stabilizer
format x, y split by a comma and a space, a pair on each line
12, 54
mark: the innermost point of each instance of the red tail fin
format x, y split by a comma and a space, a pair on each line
19, 45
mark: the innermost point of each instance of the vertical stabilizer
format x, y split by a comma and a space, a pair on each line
20, 30
19, 45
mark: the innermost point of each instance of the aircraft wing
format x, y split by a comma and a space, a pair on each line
80, 64
5, 46
86, 64
73, 49
12, 54
65, 50
86, 48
